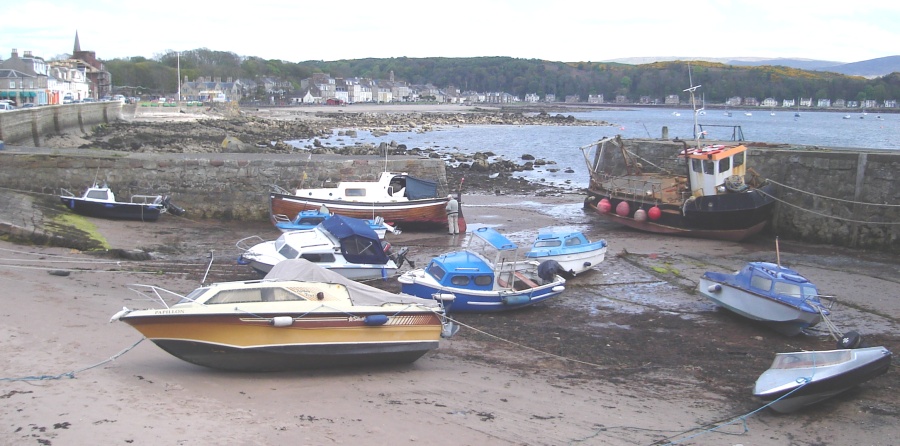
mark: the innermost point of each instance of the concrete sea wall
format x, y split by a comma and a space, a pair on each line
29, 126
220, 186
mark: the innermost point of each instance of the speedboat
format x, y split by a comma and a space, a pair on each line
299, 316
799, 379
311, 218
571, 249
342, 244
767, 292
397, 197
470, 281
100, 201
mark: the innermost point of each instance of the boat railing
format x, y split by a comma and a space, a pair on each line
641, 189
281, 218
147, 199
156, 294
65, 193
280, 190
246, 243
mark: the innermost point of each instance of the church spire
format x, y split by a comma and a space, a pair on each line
77, 48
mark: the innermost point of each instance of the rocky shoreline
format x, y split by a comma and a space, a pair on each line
224, 130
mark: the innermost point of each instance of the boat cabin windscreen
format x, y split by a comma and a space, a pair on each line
248, 295
436, 271
548, 243
802, 360
99, 194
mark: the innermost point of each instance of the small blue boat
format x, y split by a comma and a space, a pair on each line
767, 292
470, 281
571, 249
309, 219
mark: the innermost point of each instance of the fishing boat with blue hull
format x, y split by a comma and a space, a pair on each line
485, 277
309, 219
571, 249
799, 379
100, 201
767, 292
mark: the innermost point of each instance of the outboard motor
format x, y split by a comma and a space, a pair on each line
171, 208
550, 268
400, 257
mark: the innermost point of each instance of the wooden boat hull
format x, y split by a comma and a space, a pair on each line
782, 317
425, 213
115, 211
252, 343
733, 217
789, 391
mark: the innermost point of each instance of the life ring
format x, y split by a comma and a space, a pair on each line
684, 206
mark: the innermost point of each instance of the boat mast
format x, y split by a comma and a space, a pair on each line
687, 159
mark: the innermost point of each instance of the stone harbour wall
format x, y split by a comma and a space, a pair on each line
29, 126
220, 186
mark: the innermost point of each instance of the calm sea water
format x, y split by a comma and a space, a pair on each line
562, 144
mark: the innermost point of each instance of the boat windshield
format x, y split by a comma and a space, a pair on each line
547, 243
803, 360
795, 290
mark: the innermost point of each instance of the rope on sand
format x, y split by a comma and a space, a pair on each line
73, 372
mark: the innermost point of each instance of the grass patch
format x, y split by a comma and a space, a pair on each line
84, 227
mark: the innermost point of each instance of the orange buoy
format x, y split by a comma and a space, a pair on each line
654, 213
623, 209
604, 206
640, 215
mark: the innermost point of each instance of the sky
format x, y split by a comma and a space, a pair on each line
561, 30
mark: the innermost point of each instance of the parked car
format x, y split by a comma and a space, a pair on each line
29, 105
6, 107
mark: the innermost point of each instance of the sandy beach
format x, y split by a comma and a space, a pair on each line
628, 355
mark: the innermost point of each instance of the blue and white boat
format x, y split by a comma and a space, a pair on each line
309, 219
484, 277
342, 244
767, 292
571, 249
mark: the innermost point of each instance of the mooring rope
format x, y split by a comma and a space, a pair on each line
832, 216
830, 198
73, 372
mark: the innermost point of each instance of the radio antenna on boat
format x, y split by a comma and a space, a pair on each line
777, 253
206, 274
691, 90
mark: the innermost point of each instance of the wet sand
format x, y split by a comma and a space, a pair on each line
630, 354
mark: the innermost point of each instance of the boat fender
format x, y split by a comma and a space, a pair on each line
282, 321
558, 289
516, 299
654, 213
715, 288
851, 339
604, 206
640, 215
374, 320
444, 297
622, 209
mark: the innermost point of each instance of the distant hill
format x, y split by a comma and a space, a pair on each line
881, 66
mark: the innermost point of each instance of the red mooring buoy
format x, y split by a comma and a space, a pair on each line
623, 209
654, 213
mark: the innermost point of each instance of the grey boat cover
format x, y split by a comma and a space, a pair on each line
360, 294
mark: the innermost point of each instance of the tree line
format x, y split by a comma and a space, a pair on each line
515, 76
